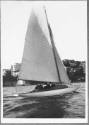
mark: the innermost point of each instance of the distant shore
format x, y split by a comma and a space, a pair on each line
74, 69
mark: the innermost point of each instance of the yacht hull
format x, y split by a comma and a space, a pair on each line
50, 92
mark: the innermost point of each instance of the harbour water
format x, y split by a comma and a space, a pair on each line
67, 106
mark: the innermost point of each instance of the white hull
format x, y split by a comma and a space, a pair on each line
50, 93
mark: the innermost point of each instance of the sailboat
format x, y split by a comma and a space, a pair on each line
41, 62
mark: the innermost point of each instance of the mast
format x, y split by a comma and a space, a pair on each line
52, 41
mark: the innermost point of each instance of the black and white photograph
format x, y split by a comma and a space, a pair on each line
44, 62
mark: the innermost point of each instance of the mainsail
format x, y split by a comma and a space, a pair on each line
40, 60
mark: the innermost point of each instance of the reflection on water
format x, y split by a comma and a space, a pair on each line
68, 106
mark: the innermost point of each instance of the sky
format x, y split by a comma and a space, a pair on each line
68, 21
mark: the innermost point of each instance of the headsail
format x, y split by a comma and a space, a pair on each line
63, 77
38, 60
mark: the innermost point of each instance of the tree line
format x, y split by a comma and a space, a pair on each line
74, 69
